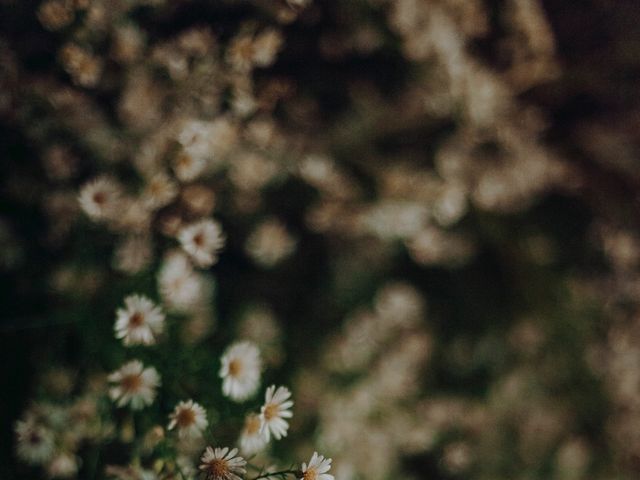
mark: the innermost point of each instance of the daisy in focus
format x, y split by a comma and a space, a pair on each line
276, 408
134, 385
140, 322
189, 418
222, 464
240, 371
317, 468
203, 241
251, 439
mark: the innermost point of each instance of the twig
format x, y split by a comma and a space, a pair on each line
282, 473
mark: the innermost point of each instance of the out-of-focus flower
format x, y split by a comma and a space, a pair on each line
134, 385
100, 198
240, 370
246, 52
159, 191
182, 288
260, 325
63, 465
84, 68
189, 418
317, 468
133, 254
35, 442
270, 243
200, 200
202, 241
222, 464
140, 322
251, 439
276, 408
56, 14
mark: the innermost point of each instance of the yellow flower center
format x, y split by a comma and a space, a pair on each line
198, 239
100, 198
185, 417
252, 424
217, 469
310, 474
270, 411
136, 319
131, 383
235, 367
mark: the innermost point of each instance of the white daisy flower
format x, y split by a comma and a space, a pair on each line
35, 443
100, 197
202, 241
159, 191
134, 384
190, 418
188, 167
270, 243
222, 464
63, 465
240, 370
251, 439
196, 138
276, 408
317, 468
182, 289
140, 322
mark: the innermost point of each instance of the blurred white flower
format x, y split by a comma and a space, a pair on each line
182, 289
35, 442
140, 322
63, 465
134, 385
251, 439
276, 408
240, 370
270, 243
133, 254
222, 464
202, 241
159, 191
188, 167
100, 197
190, 419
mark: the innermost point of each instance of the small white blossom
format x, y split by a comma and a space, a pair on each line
35, 442
140, 322
63, 465
100, 198
190, 419
276, 408
182, 289
251, 439
134, 384
270, 243
159, 191
222, 464
317, 468
202, 241
240, 371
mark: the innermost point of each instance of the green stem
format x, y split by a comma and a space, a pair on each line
274, 474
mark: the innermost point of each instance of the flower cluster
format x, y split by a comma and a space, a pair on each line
386, 205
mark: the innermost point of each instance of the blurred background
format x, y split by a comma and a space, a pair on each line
431, 213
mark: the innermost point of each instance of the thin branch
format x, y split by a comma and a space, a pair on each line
282, 473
